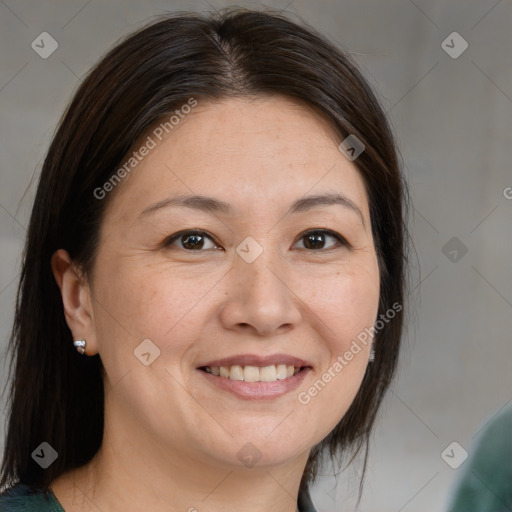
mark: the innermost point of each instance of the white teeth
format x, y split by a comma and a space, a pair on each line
269, 373
281, 371
251, 373
237, 373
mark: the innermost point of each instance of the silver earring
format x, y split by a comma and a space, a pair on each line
80, 345
372, 354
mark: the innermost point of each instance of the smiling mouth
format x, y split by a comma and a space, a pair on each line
248, 373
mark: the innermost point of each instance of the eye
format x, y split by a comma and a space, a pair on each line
191, 240
197, 240
316, 239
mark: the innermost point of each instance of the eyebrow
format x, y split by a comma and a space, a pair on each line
212, 205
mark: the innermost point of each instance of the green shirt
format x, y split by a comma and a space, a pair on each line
20, 498
486, 481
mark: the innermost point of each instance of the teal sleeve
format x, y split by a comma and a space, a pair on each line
486, 484
20, 498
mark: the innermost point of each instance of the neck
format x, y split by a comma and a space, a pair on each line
126, 475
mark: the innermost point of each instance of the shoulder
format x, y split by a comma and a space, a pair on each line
22, 498
485, 481
493, 449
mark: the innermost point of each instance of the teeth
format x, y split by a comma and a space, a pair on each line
236, 373
251, 374
254, 373
268, 374
281, 371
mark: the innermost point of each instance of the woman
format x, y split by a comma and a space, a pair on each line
212, 287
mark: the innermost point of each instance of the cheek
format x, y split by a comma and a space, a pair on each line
346, 303
346, 306
146, 300
136, 304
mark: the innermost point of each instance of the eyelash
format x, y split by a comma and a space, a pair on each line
191, 232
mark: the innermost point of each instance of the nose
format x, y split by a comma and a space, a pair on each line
260, 299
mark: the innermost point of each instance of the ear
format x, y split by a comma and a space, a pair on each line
76, 299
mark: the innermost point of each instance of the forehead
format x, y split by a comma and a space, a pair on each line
250, 152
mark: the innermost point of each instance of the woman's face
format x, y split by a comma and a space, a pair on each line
261, 285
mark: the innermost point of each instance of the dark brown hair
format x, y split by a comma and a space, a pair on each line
56, 395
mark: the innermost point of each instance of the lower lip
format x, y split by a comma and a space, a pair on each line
257, 390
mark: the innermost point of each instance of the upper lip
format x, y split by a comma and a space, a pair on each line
255, 360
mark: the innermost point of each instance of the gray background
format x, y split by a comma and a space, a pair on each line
453, 121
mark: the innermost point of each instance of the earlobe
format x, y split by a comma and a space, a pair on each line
76, 299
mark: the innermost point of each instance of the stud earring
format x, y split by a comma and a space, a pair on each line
80, 346
372, 354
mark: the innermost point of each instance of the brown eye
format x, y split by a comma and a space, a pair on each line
317, 239
191, 241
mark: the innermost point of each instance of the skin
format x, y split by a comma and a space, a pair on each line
171, 438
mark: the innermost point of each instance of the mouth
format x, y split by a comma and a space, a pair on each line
255, 377
248, 373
